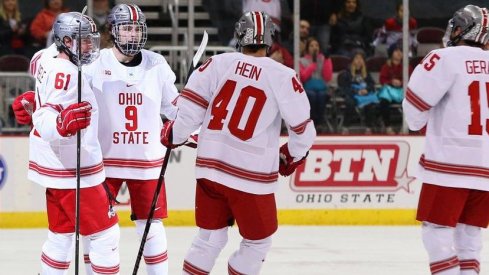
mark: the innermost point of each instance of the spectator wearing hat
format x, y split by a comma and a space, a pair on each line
392, 84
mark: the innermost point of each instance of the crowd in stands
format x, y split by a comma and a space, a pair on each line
364, 95
25, 36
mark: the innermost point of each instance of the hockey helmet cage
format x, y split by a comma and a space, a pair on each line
128, 28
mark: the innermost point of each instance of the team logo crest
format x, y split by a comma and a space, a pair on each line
248, 38
3, 172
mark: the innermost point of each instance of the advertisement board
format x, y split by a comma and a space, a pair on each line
345, 180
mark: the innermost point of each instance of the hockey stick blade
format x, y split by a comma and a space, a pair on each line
84, 10
201, 49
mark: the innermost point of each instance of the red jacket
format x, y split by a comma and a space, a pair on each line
389, 72
42, 24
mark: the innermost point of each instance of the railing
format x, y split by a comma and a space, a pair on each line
12, 85
176, 56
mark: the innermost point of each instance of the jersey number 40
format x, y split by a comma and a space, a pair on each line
219, 109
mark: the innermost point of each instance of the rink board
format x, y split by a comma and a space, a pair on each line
346, 180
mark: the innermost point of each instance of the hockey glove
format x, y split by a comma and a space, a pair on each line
75, 117
167, 135
23, 106
287, 165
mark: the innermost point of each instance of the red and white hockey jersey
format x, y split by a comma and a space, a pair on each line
49, 52
52, 158
130, 101
449, 92
240, 101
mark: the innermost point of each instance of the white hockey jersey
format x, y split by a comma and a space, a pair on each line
130, 101
49, 52
240, 101
449, 92
53, 158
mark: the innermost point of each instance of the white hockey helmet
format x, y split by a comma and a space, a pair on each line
474, 24
254, 28
67, 25
127, 24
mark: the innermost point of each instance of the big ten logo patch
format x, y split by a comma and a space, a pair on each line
3, 172
345, 166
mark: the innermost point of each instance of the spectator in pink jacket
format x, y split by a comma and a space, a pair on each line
43, 22
316, 70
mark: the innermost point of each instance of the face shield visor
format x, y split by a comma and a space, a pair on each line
90, 48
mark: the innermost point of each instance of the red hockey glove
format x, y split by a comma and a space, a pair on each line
167, 135
76, 117
23, 106
287, 165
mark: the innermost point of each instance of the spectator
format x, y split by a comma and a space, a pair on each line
43, 22
392, 84
351, 30
391, 32
358, 86
12, 29
279, 53
101, 8
318, 13
316, 70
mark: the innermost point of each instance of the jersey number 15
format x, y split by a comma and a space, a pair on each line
475, 126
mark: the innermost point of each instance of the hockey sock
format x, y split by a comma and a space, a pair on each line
57, 252
438, 241
468, 244
250, 256
104, 251
155, 248
204, 250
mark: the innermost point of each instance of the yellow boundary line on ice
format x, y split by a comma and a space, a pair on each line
285, 217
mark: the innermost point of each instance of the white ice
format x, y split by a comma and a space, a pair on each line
303, 250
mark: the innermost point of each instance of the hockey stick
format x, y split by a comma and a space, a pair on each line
195, 60
78, 152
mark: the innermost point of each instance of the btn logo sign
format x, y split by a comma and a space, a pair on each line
3, 172
346, 166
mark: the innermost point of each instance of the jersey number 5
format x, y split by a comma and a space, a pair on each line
475, 126
247, 95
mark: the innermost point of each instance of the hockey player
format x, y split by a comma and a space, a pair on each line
448, 95
239, 99
53, 149
133, 87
